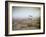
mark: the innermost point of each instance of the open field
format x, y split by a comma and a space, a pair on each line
26, 24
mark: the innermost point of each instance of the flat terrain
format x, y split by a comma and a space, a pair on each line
26, 23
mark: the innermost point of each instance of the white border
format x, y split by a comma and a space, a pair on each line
24, 5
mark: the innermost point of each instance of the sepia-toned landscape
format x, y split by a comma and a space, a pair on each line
28, 22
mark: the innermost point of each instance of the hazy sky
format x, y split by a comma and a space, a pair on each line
23, 12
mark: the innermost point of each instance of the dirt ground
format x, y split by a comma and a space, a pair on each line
26, 24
